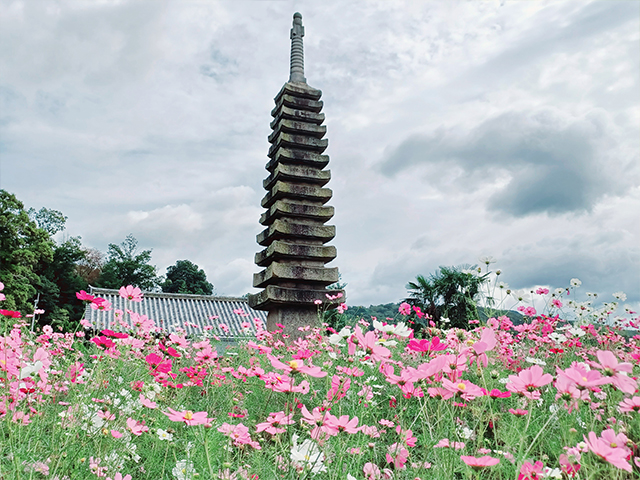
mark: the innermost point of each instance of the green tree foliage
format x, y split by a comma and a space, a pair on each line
186, 277
125, 266
23, 247
59, 282
51, 221
449, 293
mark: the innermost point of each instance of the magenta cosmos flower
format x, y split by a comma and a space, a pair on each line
531, 472
479, 462
188, 417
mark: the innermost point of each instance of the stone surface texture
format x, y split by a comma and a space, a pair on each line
295, 275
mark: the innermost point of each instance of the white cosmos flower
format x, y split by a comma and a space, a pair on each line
400, 329
164, 435
184, 470
30, 369
578, 332
620, 296
575, 282
307, 455
487, 259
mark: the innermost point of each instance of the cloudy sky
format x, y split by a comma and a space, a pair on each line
456, 130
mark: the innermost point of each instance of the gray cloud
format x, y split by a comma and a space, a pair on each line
555, 163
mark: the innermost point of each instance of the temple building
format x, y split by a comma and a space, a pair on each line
294, 277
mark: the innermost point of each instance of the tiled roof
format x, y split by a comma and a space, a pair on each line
170, 311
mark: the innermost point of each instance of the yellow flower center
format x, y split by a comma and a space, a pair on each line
462, 386
293, 364
188, 415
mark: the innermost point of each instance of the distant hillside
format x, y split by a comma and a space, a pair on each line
381, 312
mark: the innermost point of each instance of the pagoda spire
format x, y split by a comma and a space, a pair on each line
294, 278
296, 70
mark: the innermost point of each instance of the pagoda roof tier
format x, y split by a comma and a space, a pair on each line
289, 209
297, 115
285, 272
289, 190
280, 250
302, 142
296, 127
299, 103
299, 90
297, 174
281, 230
275, 295
296, 157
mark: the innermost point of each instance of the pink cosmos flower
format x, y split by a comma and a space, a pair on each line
188, 417
463, 388
96, 469
116, 434
119, 476
145, 402
556, 303
103, 305
404, 309
297, 366
531, 472
371, 471
444, 443
274, 422
137, 428
131, 293
333, 425
398, 455
527, 311
528, 381
583, 378
616, 456
518, 412
368, 342
629, 405
239, 434
479, 463
569, 468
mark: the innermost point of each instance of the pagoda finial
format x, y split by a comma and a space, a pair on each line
296, 74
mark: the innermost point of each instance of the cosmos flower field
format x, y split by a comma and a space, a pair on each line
543, 399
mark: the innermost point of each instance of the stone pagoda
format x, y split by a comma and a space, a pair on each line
294, 276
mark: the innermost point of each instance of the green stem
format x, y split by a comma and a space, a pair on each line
206, 451
551, 417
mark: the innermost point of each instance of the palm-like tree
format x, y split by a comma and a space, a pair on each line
449, 293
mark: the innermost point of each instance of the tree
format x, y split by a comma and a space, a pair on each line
59, 282
126, 267
186, 277
90, 267
449, 293
23, 247
51, 221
